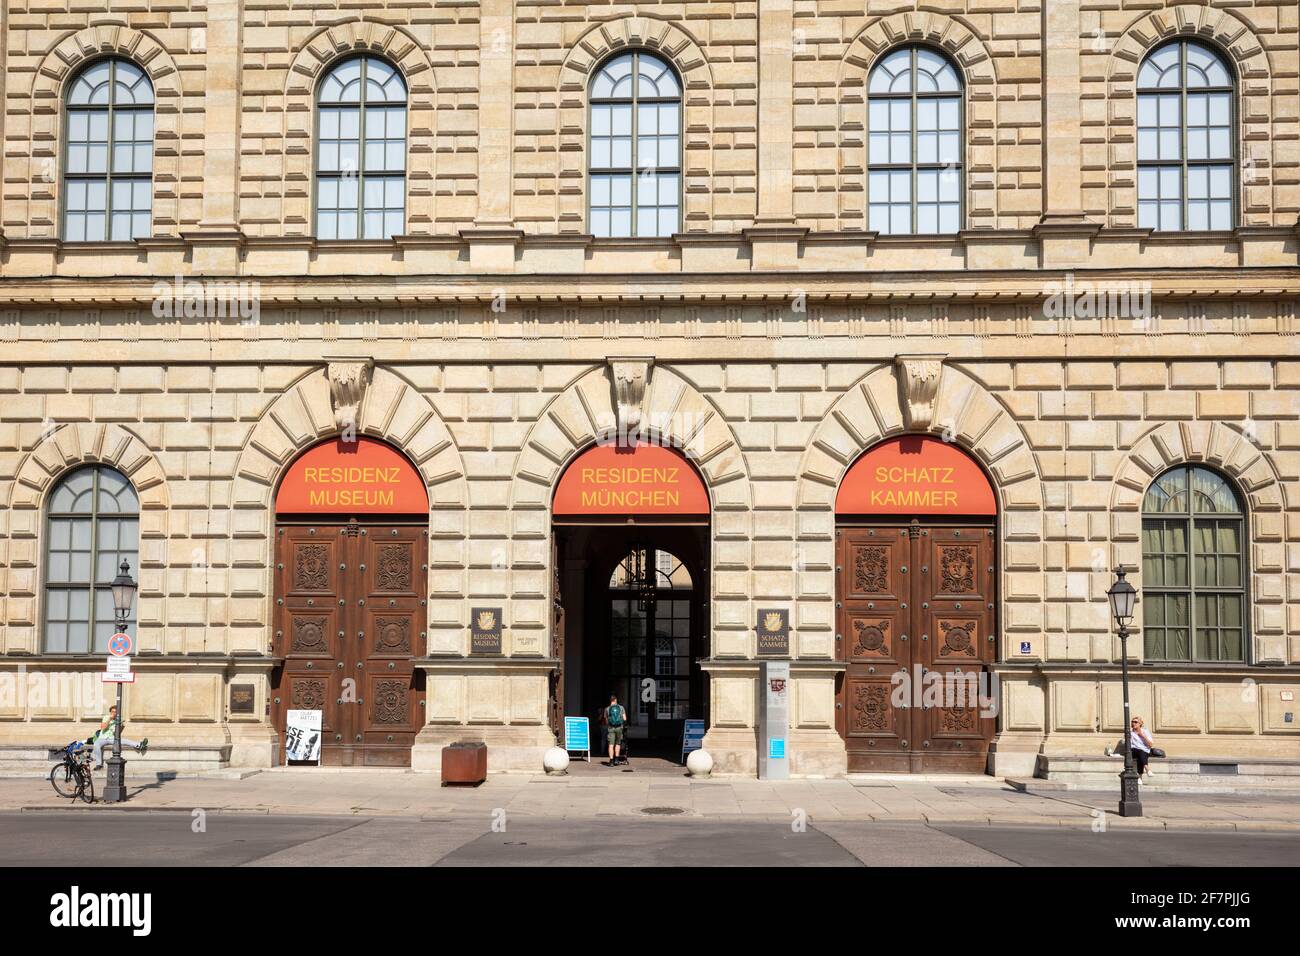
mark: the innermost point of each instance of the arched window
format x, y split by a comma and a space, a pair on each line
108, 154
635, 182
92, 523
1185, 145
1193, 568
914, 144
361, 151
650, 632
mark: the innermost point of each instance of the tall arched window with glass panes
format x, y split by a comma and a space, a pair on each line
361, 151
92, 524
634, 183
108, 154
914, 144
1186, 147
1194, 606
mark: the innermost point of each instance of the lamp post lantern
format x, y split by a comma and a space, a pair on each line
1123, 597
123, 597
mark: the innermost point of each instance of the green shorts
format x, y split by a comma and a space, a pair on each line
616, 735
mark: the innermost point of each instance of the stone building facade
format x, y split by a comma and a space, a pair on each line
772, 339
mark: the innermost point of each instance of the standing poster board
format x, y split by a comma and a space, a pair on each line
692, 736
577, 736
302, 737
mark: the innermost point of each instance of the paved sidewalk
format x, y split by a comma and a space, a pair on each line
635, 795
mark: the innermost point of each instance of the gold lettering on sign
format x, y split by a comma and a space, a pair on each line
620, 489
914, 497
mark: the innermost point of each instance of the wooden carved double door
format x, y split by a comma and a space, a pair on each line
349, 622
915, 625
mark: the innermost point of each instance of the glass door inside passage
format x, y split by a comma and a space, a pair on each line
650, 595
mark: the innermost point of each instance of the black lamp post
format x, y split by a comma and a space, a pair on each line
1123, 597
123, 598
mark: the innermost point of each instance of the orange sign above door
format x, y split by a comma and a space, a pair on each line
636, 480
352, 478
915, 475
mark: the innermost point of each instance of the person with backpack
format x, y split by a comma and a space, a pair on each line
616, 726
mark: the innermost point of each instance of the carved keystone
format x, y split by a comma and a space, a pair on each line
631, 378
348, 381
918, 385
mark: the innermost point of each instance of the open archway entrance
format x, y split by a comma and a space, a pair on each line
351, 560
631, 533
916, 619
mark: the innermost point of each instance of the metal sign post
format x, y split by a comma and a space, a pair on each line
118, 670
774, 720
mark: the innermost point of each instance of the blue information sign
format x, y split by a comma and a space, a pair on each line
577, 735
775, 748
692, 736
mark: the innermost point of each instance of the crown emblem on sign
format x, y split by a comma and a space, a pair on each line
772, 621
487, 620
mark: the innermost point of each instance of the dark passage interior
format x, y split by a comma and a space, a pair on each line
633, 601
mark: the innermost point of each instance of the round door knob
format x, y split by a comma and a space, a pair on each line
389, 738
342, 602
925, 637
358, 738
925, 743
340, 665
277, 700
311, 602
391, 665
338, 736
904, 744
363, 567
339, 701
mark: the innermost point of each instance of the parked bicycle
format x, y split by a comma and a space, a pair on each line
71, 777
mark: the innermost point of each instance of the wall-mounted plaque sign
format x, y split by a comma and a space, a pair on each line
485, 630
242, 698
773, 632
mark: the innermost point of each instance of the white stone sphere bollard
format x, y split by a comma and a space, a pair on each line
699, 763
556, 760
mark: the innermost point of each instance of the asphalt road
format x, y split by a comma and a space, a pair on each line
149, 838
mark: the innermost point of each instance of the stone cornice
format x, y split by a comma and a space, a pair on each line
761, 250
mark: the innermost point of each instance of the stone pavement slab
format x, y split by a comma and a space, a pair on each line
323, 791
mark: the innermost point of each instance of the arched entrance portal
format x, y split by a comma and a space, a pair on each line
631, 531
351, 559
917, 608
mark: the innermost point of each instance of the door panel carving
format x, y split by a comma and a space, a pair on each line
916, 628
349, 625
